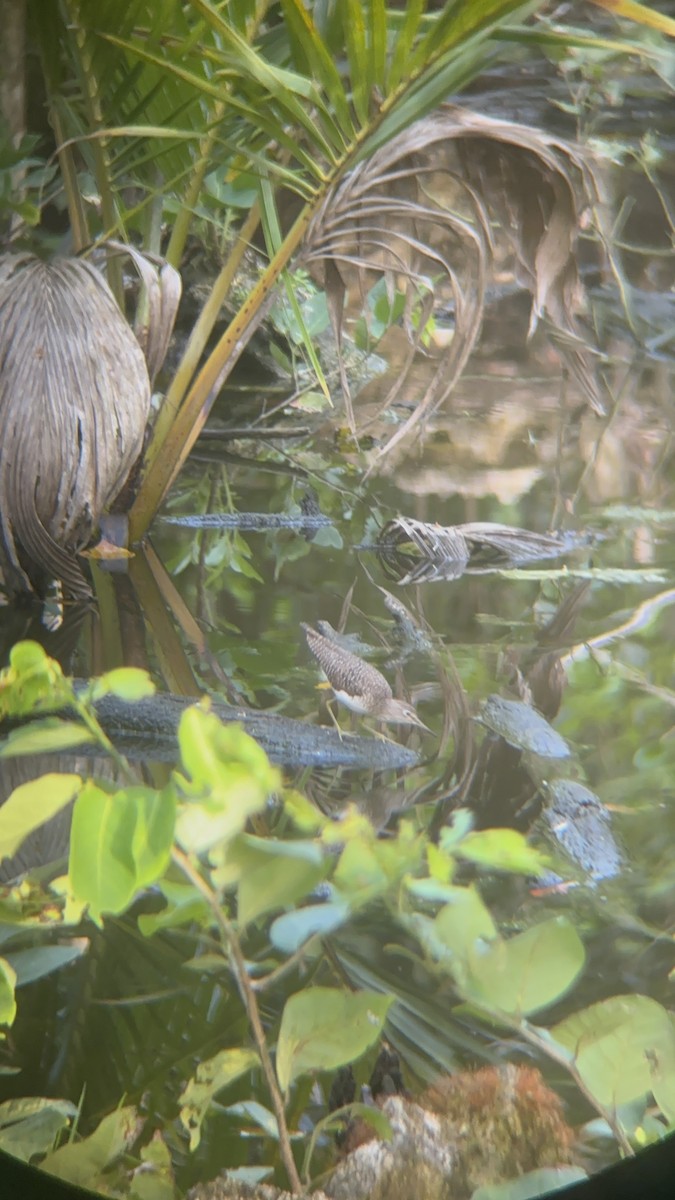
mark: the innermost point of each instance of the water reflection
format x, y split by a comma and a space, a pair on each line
220, 610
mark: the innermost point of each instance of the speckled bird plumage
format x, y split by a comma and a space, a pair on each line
357, 684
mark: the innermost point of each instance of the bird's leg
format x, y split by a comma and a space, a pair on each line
379, 733
333, 718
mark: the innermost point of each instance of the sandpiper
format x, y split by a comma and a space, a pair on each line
357, 684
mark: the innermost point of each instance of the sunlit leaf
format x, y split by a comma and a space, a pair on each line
184, 906
274, 874
210, 1078
230, 779
47, 736
324, 1028
503, 850
464, 920
617, 1044
30, 805
522, 974
7, 998
82, 1162
31, 682
127, 683
119, 843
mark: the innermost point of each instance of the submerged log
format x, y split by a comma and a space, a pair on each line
147, 729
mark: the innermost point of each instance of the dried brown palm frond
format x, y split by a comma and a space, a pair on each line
422, 211
74, 402
426, 552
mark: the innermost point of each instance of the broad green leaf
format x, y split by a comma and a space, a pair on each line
303, 813
288, 933
360, 873
48, 735
7, 997
324, 1028
532, 1184
464, 922
27, 1106
616, 1045
30, 805
231, 778
503, 850
119, 843
83, 1162
36, 961
184, 906
35, 1134
662, 1070
274, 874
210, 1078
155, 813
31, 682
127, 683
522, 974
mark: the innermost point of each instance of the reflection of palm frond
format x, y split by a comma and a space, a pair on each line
427, 552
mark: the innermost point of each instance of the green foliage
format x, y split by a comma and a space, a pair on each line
324, 1028
252, 903
623, 1048
210, 1078
30, 1126
84, 1163
7, 999
31, 804
228, 779
120, 841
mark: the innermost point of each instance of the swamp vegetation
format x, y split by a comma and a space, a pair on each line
358, 316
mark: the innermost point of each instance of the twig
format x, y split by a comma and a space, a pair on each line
249, 1000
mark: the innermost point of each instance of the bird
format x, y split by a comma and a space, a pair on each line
357, 684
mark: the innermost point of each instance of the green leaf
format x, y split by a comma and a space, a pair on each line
616, 1045
288, 933
30, 805
31, 682
184, 906
231, 778
503, 850
7, 997
27, 1106
83, 1162
119, 843
127, 683
274, 874
210, 1078
36, 961
464, 922
37, 1133
324, 1028
48, 735
522, 974
359, 873
531, 1185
